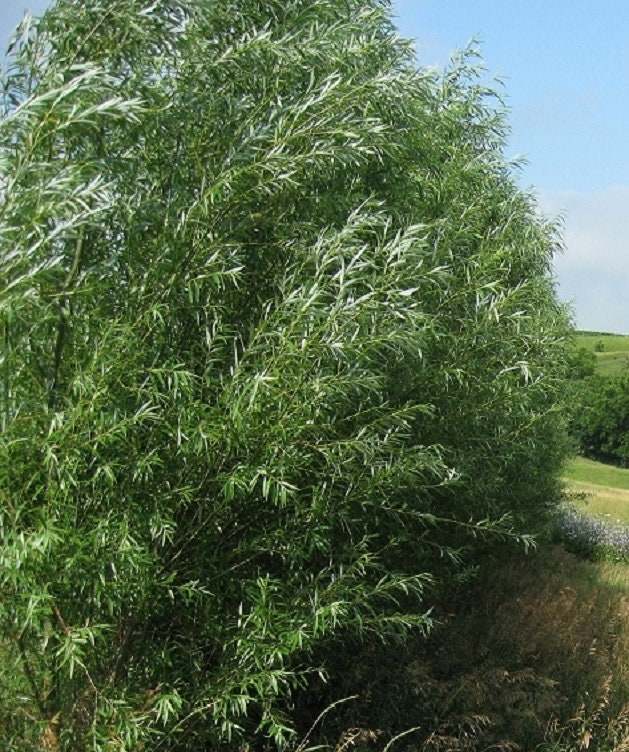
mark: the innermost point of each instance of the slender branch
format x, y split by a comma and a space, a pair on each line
6, 384
30, 677
67, 631
64, 316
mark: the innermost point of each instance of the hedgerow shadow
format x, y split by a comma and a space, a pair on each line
534, 654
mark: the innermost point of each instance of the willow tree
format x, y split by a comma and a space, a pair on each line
281, 349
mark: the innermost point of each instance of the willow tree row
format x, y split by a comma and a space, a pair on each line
281, 354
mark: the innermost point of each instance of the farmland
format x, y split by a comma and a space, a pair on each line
611, 350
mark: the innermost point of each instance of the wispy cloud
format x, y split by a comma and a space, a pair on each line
594, 270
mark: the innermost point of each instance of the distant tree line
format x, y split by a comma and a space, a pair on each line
599, 410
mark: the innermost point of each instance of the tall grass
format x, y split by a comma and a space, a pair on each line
534, 655
598, 490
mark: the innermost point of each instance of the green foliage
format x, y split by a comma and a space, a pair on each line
280, 351
600, 418
581, 362
597, 402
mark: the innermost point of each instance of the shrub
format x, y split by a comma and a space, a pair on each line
281, 350
600, 418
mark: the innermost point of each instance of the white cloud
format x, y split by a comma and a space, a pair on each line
593, 271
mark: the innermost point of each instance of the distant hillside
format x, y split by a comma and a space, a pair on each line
611, 350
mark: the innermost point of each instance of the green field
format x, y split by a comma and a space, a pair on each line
611, 350
601, 490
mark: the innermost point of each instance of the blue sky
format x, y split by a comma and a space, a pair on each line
565, 72
12, 11
565, 67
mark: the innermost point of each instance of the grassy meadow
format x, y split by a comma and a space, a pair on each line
611, 350
598, 489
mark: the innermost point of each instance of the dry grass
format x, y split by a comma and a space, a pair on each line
534, 656
600, 501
